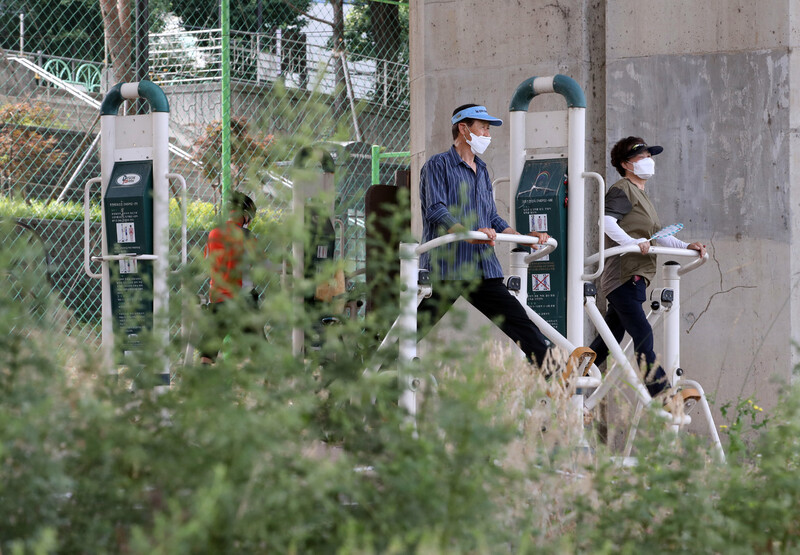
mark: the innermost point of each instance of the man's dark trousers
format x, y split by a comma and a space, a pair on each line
492, 298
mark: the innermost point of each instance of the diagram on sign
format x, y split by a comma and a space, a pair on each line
126, 233
128, 267
540, 282
541, 182
538, 222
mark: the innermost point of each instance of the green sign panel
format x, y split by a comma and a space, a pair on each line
128, 204
541, 206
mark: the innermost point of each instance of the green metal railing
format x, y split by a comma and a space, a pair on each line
377, 156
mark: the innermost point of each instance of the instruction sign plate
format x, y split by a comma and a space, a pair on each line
540, 205
128, 204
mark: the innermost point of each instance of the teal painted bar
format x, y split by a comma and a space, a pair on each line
562, 84
308, 153
154, 96
146, 89
112, 101
570, 90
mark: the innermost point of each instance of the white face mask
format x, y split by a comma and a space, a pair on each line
478, 144
644, 168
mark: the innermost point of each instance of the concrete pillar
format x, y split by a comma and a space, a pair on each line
715, 88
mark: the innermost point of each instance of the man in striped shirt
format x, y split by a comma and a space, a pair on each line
456, 195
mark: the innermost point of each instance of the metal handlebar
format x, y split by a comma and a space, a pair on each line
124, 256
87, 229
87, 257
669, 251
548, 247
480, 236
600, 223
184, 200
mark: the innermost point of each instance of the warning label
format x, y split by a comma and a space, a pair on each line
540, 282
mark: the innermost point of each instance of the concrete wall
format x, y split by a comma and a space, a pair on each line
715, 88
716, 83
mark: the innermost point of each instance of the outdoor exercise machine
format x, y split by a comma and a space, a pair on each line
415, 286
665, 309
547, 193
134, 180
313, 196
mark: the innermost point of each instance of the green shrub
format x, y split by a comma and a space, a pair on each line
270, 452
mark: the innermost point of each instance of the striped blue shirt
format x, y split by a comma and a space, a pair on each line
451, 193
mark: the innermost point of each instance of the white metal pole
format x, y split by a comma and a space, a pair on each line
409, 271
672, 322
575, 224
520, 269
618, 354
712, 427
298, 262
516, 122
107, 147
160, 123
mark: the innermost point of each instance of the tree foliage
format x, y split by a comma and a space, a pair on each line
377, 30
244, 14
268, 451
249, 148
71, 28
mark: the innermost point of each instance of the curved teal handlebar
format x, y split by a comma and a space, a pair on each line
562, 84
146, 89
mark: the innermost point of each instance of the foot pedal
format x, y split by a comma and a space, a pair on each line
690, 397
682, 401
580, 360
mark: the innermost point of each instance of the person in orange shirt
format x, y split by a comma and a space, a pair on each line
229, 250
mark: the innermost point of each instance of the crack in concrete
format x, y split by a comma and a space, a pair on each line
721, 291
711, 298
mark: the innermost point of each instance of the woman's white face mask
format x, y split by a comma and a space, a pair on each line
478, 144
644, 168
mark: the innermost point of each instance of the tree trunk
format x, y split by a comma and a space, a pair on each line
340, 98
117, 23
385, 23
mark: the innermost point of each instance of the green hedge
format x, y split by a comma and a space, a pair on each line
199, 215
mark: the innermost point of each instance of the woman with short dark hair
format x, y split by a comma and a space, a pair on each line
630, 218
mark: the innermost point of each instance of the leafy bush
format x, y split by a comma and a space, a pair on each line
270, 452
248, 151
25, 148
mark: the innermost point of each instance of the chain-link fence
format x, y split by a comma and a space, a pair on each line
284, 59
